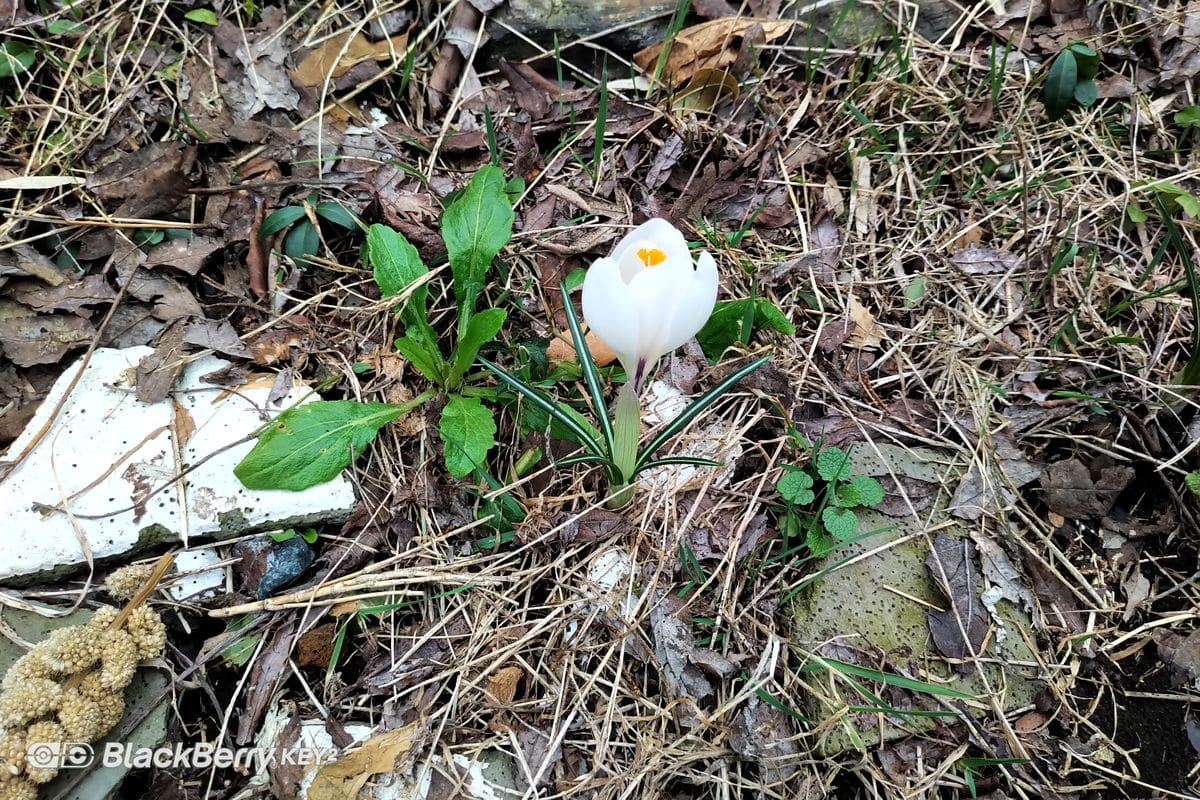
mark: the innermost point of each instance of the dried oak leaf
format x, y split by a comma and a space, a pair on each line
709, 45
335, 56
91, 290
156, 373
186, 255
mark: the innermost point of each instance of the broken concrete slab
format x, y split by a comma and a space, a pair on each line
105, 476
885, 579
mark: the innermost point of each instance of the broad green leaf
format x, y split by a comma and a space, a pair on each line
725, 324
279, 219
1192, 479
475, 227
204, 16
833, 464
480, 330
1060, 84
468, 430
312, 443
1087, 60
1188, 117
914, 292
796, 488
65, 27
15, 58
869, 490
397, 265
301, 242
1188, 203
818, 541
842, 523
337, 214
847, 496
424, 359
574, 279
1086, 93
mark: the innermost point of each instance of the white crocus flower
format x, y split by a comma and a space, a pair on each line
649, 297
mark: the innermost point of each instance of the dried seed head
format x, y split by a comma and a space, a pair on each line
18, 789
71, 650
48, 733
127, 581
27, 701
12, 754
119, 661
148, 631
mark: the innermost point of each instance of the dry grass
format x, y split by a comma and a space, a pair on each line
891, 146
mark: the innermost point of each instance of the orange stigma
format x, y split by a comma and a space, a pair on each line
651, 256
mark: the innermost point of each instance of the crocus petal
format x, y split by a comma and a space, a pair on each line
610, 309
656, 292
656, 233
695, 304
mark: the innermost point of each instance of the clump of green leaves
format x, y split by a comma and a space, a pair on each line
475, 227
1071, 79
737, 320
820, 499
311, 443
303, 240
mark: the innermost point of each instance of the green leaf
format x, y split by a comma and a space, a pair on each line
398, 265
243, 648
279, 219
424, 359
469, 431
914, 292
301, 242
796, 487
833, 464
15, 58
480, 330
1188, 117
1086, 93
564, 414
204, 16
842, 523
1135, 213
574, 279
311, 443
726, 322
1087, 60
888, 678
475, 227
768, 315
847, 496
818, 541
1060, 84
591, 377
337, 214
1188, 203
1192, 479
869, 490
65, 27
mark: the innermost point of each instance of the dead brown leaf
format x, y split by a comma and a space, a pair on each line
335, 56
958, 632
709, 45
186, 255
1070, 489
502, 686
255, 79
24, 260
561, 349
315, 648
93, 289
156, 373
343, 779
985, 260
216, 335
1007, 469
675, 648
275, 344
867, 334
28, 338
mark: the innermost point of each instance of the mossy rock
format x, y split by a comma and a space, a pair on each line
878, 606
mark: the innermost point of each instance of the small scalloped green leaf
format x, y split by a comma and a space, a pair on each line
842, 523
796, 488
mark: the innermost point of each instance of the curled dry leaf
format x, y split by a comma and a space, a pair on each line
985, 260
502, 686
867, 333
709, 45
959, 631
186, 255
92, 290
561, 349
343, 779
334, 57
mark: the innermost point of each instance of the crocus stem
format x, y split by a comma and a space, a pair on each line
627, 427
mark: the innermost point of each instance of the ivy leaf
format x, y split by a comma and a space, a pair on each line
312, 443
818, 541
796, 488
475, 227
833, 464
841, 523
469, 430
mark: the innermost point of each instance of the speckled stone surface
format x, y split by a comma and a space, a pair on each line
110, 454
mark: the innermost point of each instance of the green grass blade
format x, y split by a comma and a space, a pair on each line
548, 405
687, 460
591, 377
891, 679
701, 403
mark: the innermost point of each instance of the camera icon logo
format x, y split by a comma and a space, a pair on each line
59, 755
